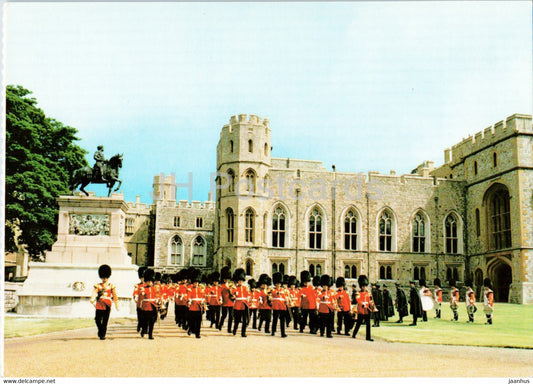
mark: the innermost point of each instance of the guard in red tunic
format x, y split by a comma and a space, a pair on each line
488, 300
294, 301
214, 299
364, 305
307, 302
240, 306
327, 305
149, 304
314, 322
196, 301
437, 297
136, 289
104, 295
279, 306
253, 302
227, 299
344, 305
470, 299
265, 308
180, 300
454, 300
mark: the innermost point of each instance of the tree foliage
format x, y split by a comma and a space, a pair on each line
41, 156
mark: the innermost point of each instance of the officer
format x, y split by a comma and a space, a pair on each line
363, 307
104, 294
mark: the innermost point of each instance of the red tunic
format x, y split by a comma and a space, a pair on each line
344, 301
148, 298
136, 291
213, 296
225, 293
363, 302
241, 298
278, 299
180, 295
326, 302
263, 300
295, 297
107, 297
196, 297
307, 298
254, 299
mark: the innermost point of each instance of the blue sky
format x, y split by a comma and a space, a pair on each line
365, 86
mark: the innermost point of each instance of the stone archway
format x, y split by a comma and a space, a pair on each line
501, 275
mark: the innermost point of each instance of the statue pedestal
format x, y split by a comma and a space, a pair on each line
90, 233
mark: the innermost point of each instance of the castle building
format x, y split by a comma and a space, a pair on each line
471, 218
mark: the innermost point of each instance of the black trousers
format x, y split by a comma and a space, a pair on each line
295, 316
265, 315
148, 320
326, 323
312, 320
360, 319
278, 314
414, 319
138, 319
213, 314
195, 322
181, 315
101, 318
424, 316
346, 318
238, 317
375, 315
226, 311
253, 317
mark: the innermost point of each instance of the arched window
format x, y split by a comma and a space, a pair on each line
478, 224
230, 218
249, 226
312, 270
250, 146
249, 268
350, 231
315, 229
274, 268
389, 272
198, 251
385, 231
382, 272
350, 271
231, 146
231, 180
278, 228
354, 272
423, 273
318, 270
282, 268
475, 168
451, 234
419, 233
250, 181
499, 216
416, 274
346, 271
266, 149
176, 251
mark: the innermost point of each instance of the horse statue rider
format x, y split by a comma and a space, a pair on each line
100, 163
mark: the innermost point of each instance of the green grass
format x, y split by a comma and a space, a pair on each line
28, 326
512, 327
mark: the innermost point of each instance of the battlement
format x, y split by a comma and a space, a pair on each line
137, 204
185, 204
487, 137
303, 165
244, 120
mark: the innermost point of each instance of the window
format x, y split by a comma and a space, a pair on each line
278, 268
416, 274
231, 146
250, 146
249, 267
478, 224
315, 229
312, 270
199, 222
389, 272
278, 228
319, 270
198, 255
385, 272
494, 160
475, 168
176, 251
176, 221
448, 274
350, 231
451, 234
382, 272
230, 221
419, 273
129, 226
350, 271
499, 214
274, 268
419, 233
250, 181
266, 149
231, 180
385, 232
249, 226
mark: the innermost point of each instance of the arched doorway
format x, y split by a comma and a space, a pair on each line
501, 275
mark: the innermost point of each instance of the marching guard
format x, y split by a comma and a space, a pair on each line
180, 300
214, 300
196, 301
265, 308
488, 300
344, 306
279, 306
294, 294
149, 304
470, 298
136, 290
327, 306
103, 297
364, 307
227, 301
437, 296
253, 302
240, 306
307, 302
454, 300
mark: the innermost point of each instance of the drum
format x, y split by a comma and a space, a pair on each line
427, 303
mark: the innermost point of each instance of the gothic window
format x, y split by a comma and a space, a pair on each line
499, 214
250, 181
389, 272
249, 226
231, 180
198, 251
230, 217
385, 231
318, 270
281, 268
176, 251
249, 268
419, 233
455, 274
274, 268
199, 222
350, 271
416, 274
350, 231
312, 270
448, 274
129, 226
451, 234
176, 221
315, 229
278, 228
423, 273
250, 146
382, 272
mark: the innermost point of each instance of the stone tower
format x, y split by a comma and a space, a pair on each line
243, 161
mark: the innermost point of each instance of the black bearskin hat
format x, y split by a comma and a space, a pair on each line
215, 276
340, 282
149, 275
487, 283
305, 277
252, 284
239, 275
174, 278
205, 279
453, 283
104, 271
422, 282
157, 276
363, 281
316, 281
225, 273
436, 282
292, 280
140, 272
277, 278
468, 283
195, 275
264, 279
325, 280
285, 279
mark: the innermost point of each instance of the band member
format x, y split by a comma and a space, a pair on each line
227, 301
307, 302
240, 307
196, 301
378, 298
265, 309
326, 307
314, 323
415, 303
294, 295
279, 306
180, 300
253, 302
470, 299
437, 296
488, 300
149, 304
388, 307
103, 297
166, 289
214, 299
454, 300
353, 296
136, 289
424, 292
344, 306
401, 303
364, 304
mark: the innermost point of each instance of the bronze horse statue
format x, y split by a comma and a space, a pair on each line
86, 175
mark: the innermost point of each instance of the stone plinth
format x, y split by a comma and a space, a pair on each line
90, 233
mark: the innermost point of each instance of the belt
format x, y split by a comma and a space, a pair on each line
278, 298
241, 298
198, 299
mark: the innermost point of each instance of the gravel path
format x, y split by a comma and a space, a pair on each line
124, 353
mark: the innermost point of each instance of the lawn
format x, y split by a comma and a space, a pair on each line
512, 327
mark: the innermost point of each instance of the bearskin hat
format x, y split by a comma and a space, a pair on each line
205, 279
292, 280
215, 276
436, 282
252, 284
316, 281
305, 277
264, 279
285, 279
225, 273
157, 276
340, 282
487, 283
452, 283
239, 275
195, 275
104, 271
140, 272
277, 278
363, 281
422, 282
468, 283
149, 275
325, 280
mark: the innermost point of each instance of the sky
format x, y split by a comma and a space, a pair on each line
367, 86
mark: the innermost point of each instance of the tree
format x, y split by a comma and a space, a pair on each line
40, 159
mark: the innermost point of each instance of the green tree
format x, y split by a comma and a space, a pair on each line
41, 156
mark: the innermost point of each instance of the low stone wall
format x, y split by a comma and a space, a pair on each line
10, 295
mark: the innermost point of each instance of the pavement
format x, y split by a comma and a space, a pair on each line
172, 353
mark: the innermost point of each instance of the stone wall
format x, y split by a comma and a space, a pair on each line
10, 295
